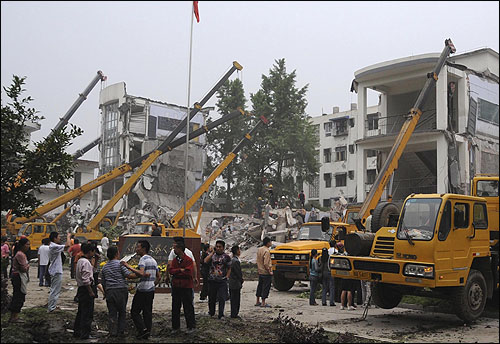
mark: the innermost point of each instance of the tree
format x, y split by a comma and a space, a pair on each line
24, 170
221, 140
286, 148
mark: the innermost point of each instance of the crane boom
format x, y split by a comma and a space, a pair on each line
391, 163
216, 173
85, 149
164, 147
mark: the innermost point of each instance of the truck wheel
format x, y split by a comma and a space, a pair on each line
281, 283
385, 296
381, 214
470, 300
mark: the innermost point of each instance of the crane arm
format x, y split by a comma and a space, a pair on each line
391, 163
216, 173
85, 149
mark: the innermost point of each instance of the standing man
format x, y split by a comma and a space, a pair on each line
235, 282
84, 279
73, 251
189, 253
43, 260
302, 198
205, 270
155, 230
366, 288
368, 225
264, 268
220, 268
56, 267
182, 289
113, 276
143, 298
104, 244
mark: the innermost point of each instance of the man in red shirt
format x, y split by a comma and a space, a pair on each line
73, 251
182, 288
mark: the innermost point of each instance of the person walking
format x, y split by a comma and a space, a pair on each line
205, 270
73, 251
20, 279
314, 277
220, 268
5, 256
143, 298
235, 282
113, 276
43, 261
84, 275
264, 268
182, 289
56, 250
104, 244
327, 279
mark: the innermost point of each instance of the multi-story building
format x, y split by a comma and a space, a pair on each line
133, 126
456, 137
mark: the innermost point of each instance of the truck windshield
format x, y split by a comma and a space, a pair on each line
351, 215
487, 188
418, 219
22, 229
314, 232
143, 229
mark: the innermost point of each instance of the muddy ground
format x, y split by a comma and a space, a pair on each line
401, 324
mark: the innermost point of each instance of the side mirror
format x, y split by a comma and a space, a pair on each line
325, 224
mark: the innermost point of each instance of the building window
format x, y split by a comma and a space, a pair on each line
110, 136
327, 155
328, 180
314, 188
351, 122
371, 153
328, 128
372, 121
78, 180
351, 149
340, 127
341, 153
487, 111
351, 175
370, 176
341, 179
327, 203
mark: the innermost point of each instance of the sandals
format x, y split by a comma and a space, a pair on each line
258, 304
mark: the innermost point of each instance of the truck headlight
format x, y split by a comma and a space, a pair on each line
425, 271
272, 255
297, 257
340, 264
304, 257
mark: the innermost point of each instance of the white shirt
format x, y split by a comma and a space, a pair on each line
368, 225
104, 243
55, 258
215, 223
187, 251
43, 251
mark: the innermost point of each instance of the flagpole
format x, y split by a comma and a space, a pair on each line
188, 120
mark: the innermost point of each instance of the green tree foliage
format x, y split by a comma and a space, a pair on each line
23, 170
224, 138
287, 145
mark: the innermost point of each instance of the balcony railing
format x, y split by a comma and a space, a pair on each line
392, 124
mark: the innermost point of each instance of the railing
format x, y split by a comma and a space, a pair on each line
392, 124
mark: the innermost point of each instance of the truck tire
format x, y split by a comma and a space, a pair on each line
469, 300
281, 283
385, 296
381, 214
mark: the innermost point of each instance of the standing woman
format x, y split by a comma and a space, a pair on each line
20, 268
313, 276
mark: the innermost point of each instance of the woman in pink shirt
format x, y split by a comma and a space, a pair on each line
5, 256
19, 264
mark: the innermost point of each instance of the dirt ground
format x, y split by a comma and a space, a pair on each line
396, 325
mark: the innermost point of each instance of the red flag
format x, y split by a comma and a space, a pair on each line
196, 13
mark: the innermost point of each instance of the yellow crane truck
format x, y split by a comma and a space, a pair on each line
444, 246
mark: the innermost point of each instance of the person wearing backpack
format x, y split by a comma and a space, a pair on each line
314, 276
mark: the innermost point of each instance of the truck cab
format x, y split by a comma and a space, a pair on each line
35, 232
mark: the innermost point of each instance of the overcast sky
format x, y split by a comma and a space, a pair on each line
60, 46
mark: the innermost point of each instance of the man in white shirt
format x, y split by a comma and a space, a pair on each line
104, 244
56, 267
43, 262
215, 226
368, 225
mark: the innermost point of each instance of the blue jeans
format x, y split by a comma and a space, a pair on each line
41, 277
55, 290
328, 286
314, 285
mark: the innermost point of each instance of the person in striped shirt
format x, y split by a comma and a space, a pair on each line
115, 286
143, 298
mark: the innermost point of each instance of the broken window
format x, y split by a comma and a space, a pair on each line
328, 180
314, 188
351, 149
372, 120
487, 111
327, 155
328, 128
341, 153
110, 136
341, 179
340, 127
